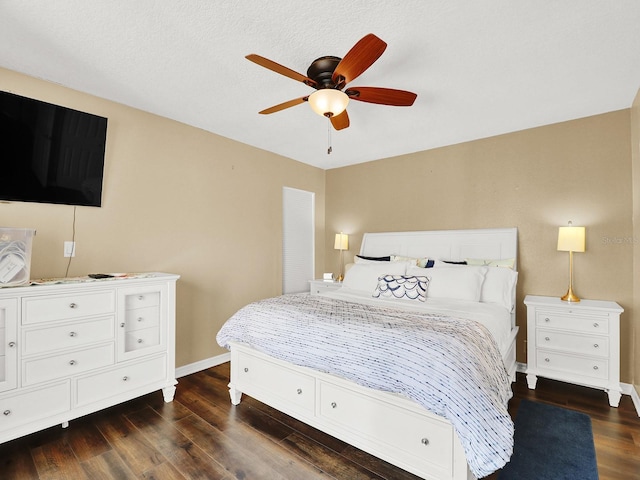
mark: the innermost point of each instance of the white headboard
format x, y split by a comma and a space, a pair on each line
454, 245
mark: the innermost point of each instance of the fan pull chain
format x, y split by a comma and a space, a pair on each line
329, 147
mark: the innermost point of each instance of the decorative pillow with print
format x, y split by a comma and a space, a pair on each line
402, 286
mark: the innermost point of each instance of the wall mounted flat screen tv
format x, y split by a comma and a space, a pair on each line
50, 153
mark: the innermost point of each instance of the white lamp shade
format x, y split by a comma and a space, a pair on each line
571, 239
328, 102
342, 241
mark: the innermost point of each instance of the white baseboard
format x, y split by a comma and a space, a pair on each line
202, 365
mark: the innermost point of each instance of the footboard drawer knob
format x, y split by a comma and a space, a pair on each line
425, 441
246, 370
299, 391
334, 405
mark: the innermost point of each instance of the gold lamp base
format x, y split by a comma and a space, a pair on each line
570, 296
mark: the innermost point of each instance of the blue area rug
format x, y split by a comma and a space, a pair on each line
551, 443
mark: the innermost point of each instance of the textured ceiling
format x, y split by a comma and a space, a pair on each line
480, 67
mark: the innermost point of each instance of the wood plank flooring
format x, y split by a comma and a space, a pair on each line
200, 435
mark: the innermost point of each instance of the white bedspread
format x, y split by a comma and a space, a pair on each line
451, 366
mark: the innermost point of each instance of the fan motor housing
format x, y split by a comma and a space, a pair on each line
321, 71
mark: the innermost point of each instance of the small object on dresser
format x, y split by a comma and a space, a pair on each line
98, 276
328, 277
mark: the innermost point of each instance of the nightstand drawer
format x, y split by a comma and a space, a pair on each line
576, 322
317, 287
576, 365
570, 342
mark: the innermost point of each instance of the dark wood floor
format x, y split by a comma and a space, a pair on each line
201, 436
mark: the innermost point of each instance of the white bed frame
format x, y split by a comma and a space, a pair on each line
386, 425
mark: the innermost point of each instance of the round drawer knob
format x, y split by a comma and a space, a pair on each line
73, 305
246, 370
12, 344
595, 367
547, 319
140, 319
139, 340
334, 405
299, 391
72, 362
547, 338
140, 297
547, 359
425, 441
595, 345
596, 324
73, 334
125, 378
7, 413
122, 325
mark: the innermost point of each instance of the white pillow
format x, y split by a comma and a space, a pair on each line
454, 283
364, 276
499, 287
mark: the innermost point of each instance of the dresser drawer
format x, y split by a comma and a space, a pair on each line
426, 439
35, 405
78, 334
277, 381
575, 365
63, 307
140, 300
571, 342
598, 324
120, 380
67, 364
140, 339
139, 318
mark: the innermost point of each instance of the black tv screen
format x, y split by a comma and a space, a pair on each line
50, 153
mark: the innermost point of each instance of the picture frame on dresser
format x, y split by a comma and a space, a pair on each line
574, 342
70, 347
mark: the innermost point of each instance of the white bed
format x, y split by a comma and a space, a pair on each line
386, 424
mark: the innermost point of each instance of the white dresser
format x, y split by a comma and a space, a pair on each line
70, 349
574, 342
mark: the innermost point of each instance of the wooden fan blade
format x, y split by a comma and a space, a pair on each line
282, 106
382, 96
340, 121
276, 67
358, 59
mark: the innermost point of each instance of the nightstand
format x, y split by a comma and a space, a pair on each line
574, 342
316, 287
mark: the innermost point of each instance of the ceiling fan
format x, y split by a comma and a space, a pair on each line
329, 76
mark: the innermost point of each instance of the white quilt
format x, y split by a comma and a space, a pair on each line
450, 366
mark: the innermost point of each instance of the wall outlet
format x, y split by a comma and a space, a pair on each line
69, 249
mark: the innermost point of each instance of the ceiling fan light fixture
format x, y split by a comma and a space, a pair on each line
328, 102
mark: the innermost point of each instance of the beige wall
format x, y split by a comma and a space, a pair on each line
635, 155
175, 199
535, 180
182, 200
